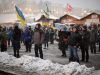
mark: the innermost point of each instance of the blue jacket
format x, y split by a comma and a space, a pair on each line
10, 34
27, 36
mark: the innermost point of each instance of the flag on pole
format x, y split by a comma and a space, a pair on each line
20, 15
69, 7
47, 15
47, 9
33, 20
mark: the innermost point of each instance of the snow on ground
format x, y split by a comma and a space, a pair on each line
45, 67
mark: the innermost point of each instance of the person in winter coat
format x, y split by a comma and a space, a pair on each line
22, 34
3, 42
80, 30
99, 38
84, 44
30, 40
73, 42
27, 38
38, 40
10, 35
46, 38
51, 35
93, 39
93, 24
16, 34
63, 37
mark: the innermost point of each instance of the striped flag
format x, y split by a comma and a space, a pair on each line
69, 7
20, 15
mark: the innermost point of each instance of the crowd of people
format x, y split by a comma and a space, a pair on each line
14, 36
79, 36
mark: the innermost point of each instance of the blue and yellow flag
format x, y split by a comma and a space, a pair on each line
47, 15
33, 20
47, 9
20, 15
45, 22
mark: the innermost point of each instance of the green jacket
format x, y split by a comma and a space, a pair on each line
3, 35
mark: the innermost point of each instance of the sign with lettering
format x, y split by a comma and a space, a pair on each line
67, 21
94, 16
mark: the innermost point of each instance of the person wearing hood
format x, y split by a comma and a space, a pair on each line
16, 34
27, 37
93, 39
38, 40
84, 44
73, 42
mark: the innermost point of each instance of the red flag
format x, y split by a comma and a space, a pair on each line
69, 7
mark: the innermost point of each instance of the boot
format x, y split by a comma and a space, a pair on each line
77, 60
70, 60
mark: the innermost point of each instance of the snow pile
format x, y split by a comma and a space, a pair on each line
76, 69
44, 67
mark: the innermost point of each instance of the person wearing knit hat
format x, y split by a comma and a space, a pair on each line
84, 44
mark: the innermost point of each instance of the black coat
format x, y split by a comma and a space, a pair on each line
85, 40
74, 39
62, 34
93, 36
16, 34
46, 38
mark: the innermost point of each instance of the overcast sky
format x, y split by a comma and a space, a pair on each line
91, 4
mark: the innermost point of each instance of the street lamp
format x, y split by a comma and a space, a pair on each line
65, 12
85, 11
30, 9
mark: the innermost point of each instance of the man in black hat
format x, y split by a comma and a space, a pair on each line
93, 39
84, 45
16, 34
